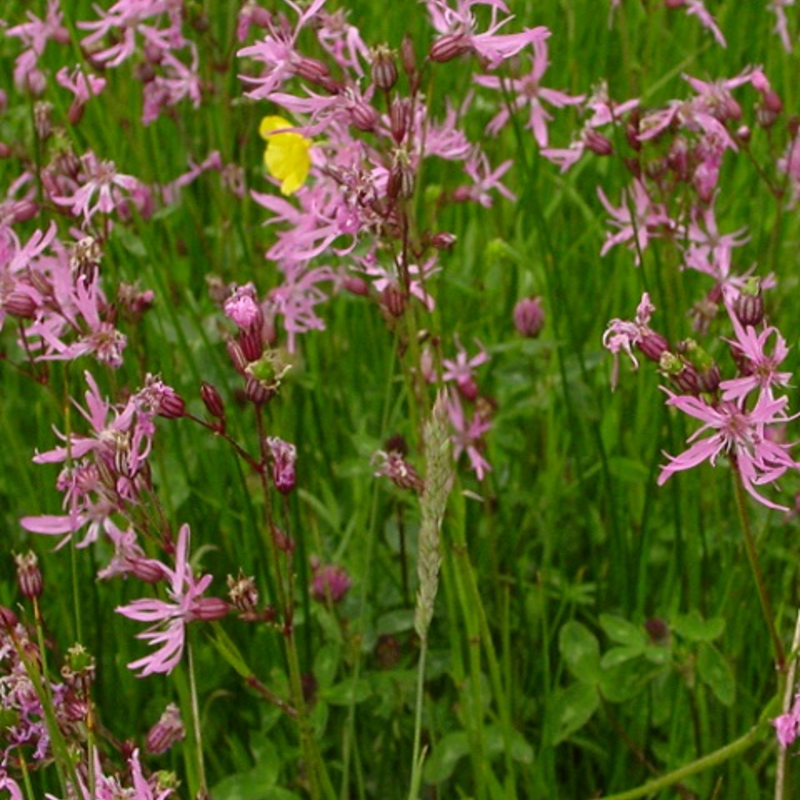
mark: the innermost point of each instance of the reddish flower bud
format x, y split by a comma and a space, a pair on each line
600, 145
363, 116
384, 70
29, 576
212, 400
169, 730
394, 301
208, 609
356, 285
443, 240
409, 60
529, 316
449, 47
256, 392
171, 404
284, 457
236, 354
20, 304
653, 345
251, 344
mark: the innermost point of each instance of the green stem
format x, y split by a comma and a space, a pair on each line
714, 759
418, 754
752, 556
198, 736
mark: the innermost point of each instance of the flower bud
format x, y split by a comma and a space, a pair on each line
449, 47
284, 457
529, 316
329, 584
169, 730
29, 576
384, 69
394, 301
212, 400
171, 405
20, 304
443, 240
243, 593
653, 345
600, 145
749, 304
209, 609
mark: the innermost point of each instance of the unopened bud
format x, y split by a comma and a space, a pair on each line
171, 404
409, 60
449, 47
169, 730
394, 301
443, 240
284, 457
20, 304
384, 69
653, 345
529, 316
600, 145
29, 576
256, 392
209, 609
43, 119
212, 400
363, 116
749, 304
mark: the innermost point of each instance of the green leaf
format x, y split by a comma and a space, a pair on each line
696, 629
581, 650
626, 680
715, 672
326, 664
446, 753
621, 631
573, 708
349, 692
618, 655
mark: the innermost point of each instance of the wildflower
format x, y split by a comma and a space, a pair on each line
166, 732
457, 27
743, 435
761, 369
468, 434
621, 335
287, 153
283, 456
787, 726
329, 583
529, 92
529, 317
171, 616
461, 370
638, 219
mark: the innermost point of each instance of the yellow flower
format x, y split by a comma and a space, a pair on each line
286, 156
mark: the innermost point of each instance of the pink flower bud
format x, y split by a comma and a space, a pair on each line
29, 576
529, 316
284, 457
209, 609
212, 400
169, 730
449, 47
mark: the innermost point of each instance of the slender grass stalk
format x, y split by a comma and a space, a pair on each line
198, 731
735, 748
752, 556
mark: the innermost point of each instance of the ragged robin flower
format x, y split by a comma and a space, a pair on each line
286, 156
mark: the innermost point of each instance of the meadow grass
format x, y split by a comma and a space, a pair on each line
580, 631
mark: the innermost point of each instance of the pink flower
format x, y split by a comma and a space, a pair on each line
468, 434
457, 26
530, 93
101, 183
787, 726
761, 369
83, 86
636, 224
169, 618
742, 435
